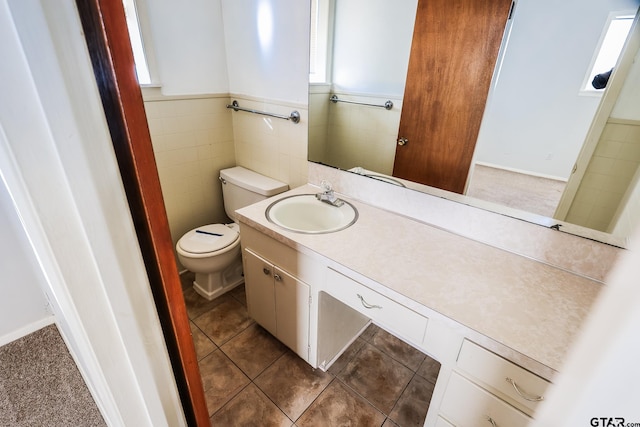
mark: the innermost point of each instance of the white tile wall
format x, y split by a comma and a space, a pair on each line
318, 121
607, 177
355, 135
192, 140
271, 146
363, 136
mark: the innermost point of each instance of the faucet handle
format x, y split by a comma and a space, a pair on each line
326, 186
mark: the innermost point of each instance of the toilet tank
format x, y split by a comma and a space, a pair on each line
242, 187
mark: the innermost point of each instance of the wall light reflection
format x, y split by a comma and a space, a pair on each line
265, 25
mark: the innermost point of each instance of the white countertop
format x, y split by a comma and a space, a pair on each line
531, 308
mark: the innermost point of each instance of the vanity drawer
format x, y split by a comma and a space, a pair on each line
397, 318
466, 404
510, 380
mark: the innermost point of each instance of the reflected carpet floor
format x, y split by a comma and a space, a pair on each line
516, 190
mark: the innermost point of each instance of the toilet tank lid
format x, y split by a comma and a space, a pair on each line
253, 181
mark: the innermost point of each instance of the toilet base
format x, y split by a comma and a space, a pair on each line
211, 286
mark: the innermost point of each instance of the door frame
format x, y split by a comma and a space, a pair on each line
107, 38
608, 102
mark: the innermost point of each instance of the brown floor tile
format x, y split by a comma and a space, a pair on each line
339, 406
398, 349
370, 332
250, 408
429, 369
411, 408
389, 423
224, 321
186, 279
197, 304
221, 380
240, 294
346, 357
292, 384
203, 345
377, 377
253, 350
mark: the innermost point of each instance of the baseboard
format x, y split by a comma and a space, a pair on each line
521, 171
26, 330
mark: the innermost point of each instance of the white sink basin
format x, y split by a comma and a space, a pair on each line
304, 213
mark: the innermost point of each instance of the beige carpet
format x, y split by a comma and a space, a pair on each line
525, 192
40, 384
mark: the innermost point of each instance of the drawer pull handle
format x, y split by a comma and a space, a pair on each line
522, 394
493, 423
366, 304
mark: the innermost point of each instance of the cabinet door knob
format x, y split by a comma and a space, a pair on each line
266, 271
277, 277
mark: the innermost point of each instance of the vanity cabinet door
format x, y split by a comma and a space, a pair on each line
292, 312
278, 302
259, 286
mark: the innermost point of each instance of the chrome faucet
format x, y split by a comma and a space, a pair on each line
328, 196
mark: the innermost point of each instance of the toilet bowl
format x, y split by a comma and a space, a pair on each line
212, 251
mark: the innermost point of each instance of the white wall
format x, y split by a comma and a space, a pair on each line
536, 121
188, 42
23, 306
372, 44
267, 43
268, 63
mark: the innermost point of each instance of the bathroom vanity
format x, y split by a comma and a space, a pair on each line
499, 323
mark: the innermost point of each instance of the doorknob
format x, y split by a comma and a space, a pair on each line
403, 141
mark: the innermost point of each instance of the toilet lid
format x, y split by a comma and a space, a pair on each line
208, 238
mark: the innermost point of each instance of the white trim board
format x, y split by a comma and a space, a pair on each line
26, 330
521, 171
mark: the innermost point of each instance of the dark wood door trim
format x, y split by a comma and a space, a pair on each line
107, 38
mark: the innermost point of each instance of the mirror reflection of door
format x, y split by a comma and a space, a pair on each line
453, 55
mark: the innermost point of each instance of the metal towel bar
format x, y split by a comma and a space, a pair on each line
387, 105
294, 116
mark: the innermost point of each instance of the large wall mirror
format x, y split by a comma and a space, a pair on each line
550, 145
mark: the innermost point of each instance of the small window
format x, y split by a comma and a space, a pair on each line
609, 49
319, 43
142, 68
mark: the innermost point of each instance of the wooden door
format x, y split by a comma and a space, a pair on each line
453, 55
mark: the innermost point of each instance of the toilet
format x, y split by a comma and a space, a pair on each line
212, 251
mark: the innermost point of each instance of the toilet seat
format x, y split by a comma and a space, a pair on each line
208, 239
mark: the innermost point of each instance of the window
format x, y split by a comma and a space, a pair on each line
611, 44
142, 68
320, 41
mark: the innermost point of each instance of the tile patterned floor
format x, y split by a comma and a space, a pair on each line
251, 379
